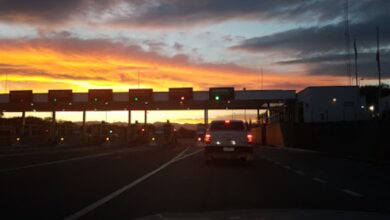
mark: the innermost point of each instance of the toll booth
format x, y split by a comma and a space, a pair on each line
139, 134
169, 134
33, 135
7, 136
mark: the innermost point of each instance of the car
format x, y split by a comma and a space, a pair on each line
228, 139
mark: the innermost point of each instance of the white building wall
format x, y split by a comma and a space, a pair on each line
385, 104
330, 104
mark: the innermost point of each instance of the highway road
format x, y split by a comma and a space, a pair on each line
126, 183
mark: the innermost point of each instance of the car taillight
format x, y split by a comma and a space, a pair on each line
207, 138
249, 138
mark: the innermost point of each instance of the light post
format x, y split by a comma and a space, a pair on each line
360, 81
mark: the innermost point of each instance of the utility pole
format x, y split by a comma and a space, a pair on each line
356, 66
378, 60
347, 42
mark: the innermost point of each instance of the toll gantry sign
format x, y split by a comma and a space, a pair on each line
140, 95
100, 95
144, 99
221, 94
21, 96
60, 96
181, 94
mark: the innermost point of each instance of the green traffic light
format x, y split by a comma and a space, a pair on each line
95, 99
54, 99
135, 98
217, 98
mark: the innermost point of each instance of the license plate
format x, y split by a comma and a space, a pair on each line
228, 149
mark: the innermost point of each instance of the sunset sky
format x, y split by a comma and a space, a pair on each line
83, 44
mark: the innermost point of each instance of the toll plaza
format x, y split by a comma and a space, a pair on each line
275, 102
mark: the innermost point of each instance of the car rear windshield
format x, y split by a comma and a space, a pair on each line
231, 126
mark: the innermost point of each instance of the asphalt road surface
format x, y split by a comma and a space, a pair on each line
127, 183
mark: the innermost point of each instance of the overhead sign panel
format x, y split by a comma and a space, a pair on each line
136, 95
180, 94
60, 96
100, 95
221, 94
21, 96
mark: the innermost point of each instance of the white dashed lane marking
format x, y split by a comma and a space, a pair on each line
300, 172
319, 180
351, 193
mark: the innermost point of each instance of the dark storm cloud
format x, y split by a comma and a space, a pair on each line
323, 48
335, 64
164, 12
312, 40
184, 13
48, 11
174, 13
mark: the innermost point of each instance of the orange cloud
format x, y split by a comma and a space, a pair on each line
42, 64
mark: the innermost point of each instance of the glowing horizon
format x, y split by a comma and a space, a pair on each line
174, 116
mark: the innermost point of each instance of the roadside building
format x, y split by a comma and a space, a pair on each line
330, 104
385, 107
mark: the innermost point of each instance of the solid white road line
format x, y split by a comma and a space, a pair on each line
300, 172
61, 161
116, 193
351, 193
188, 155
287, 167
182, 152
277, 162
319, 180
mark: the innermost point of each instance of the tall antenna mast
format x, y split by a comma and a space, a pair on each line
347, 43
356, 64
378, 60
